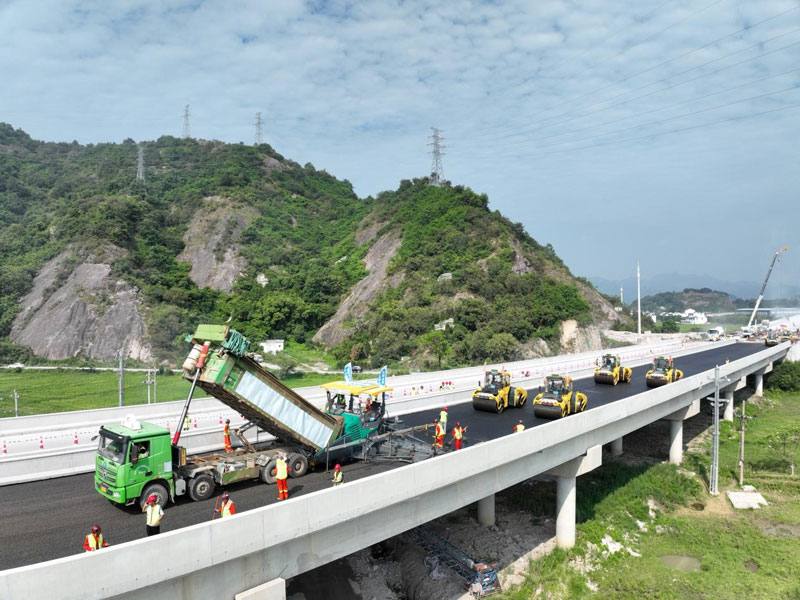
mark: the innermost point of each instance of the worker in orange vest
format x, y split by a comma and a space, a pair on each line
338, 476
519, 427
439, 434
226, 434
94, 541
458, 434
226, 508
282, 476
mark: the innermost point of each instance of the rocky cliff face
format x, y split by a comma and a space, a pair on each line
211, 243
77, 307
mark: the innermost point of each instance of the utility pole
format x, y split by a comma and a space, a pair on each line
140, 165
621, 296
155, 386
639, 297
437, 174
741, 443
713, 487
186, 133
258, 128
148, 382
120, 354
16, 403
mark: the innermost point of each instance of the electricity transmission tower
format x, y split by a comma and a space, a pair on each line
258, 128
140, 165
186, 133
437, 175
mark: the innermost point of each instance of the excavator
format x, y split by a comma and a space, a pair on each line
610, 370
662, 372
558, 399
497, 393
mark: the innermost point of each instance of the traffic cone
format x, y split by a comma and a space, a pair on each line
76, 439
195, 422
220, 419
4, 447
41, 443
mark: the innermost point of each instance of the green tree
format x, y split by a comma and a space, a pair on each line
785, 443
502, 346
436, 343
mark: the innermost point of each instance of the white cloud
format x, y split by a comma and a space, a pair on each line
354, 88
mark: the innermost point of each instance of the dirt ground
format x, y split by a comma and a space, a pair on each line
396, 569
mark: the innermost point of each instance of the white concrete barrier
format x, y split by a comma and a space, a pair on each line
222, 558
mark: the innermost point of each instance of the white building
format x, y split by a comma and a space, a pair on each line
693, 317
271, 346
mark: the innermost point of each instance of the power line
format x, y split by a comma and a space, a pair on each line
437, 174
662, 133
186, 133
258, 128
537, 125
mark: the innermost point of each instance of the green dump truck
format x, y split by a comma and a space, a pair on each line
137, 459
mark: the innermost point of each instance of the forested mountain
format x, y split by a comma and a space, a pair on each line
703, 299
93, 260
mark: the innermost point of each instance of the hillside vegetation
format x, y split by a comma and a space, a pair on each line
704, 300
233, 233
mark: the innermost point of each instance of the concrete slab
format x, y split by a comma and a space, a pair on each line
746, 500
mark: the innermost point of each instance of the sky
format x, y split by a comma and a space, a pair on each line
659, 131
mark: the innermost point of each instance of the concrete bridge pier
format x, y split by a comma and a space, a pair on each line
616, 447
486, 511
759, 383
676, 420
728, 398
566, 478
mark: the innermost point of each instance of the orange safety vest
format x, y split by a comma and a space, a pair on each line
281, 469
94, 543
439, 430
519, 427
226, 431
227, 509
154, 514
458, 432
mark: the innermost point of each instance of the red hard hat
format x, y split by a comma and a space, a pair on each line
95, 528
337, 467
225, 495
152, 498
445, 408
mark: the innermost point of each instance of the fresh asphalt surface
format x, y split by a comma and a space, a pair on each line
49, 519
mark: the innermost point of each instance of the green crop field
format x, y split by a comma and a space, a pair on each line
46, 391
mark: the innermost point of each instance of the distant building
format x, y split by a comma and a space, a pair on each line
271, 346
693, 317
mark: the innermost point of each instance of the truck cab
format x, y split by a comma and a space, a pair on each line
131, 457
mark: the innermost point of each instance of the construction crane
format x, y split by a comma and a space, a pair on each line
764, 286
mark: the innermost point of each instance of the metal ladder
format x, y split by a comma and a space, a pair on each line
456, 559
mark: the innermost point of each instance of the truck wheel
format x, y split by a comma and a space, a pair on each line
201, 487
157, 490
298, 465
268, 473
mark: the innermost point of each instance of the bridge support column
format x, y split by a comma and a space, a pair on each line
728, 396
616, 447
759, 381
566, 479
272, 590
676, 442
486, 511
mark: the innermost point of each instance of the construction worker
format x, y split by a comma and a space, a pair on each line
94, 541
458, 435
443, 418
154, 515
519, 427
338, 476
226, 434
439, 434
282, 477
226, 508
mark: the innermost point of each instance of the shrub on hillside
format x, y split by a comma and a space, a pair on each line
786, 377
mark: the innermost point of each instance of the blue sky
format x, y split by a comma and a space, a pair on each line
664, 131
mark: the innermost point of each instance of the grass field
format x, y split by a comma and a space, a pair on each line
66, 390
742, 554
